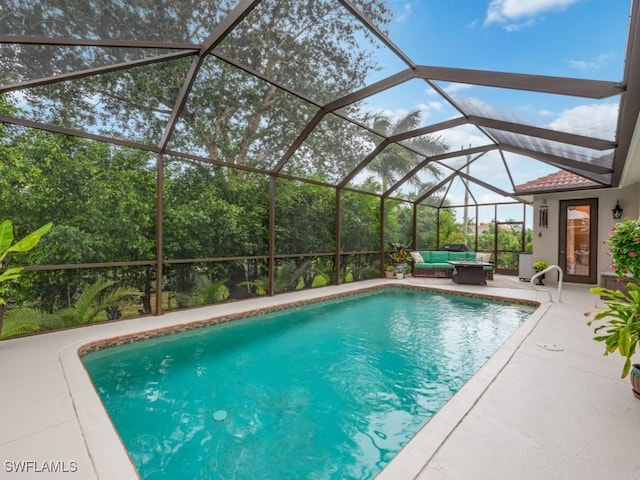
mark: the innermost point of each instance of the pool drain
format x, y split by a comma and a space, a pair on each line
220, 415
551, 346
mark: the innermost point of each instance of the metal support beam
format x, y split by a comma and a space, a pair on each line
630, 103
364, 163
535, 83
63, 77
370, 90
554, 159
544, 133
93, 42
240, 11
159, 230
435, 158
376, 31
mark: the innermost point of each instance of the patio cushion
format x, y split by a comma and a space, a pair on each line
444, 265
457, 256
426, 256
439, 257
436, 264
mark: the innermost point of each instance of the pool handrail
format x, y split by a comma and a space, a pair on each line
540, 274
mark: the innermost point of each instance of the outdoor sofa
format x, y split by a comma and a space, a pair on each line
433, 263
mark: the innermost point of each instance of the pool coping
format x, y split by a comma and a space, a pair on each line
413, 458
110, 458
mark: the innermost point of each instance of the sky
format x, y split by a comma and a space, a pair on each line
566, 38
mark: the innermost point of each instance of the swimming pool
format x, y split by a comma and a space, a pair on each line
329, 390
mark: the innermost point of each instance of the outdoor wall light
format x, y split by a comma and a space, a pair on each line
617, 211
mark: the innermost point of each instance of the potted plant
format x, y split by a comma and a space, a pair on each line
389, 271
7, 246
399, 256
400, 272
621, 311
538, 267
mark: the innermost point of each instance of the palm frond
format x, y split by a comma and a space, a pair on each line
118, 296
87, 306
14, 329
409, 122
382, 123
21, 321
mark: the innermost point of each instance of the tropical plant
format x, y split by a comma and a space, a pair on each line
7, 247
539, 266
289, 276
205, 292
98, 298
621, 330
621, 310
624, 248
399, 254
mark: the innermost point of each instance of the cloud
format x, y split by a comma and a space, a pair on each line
593, 64
518, 14
473, 24
403, 12
595, 120
392, 114
514, 27
429, 107
452, 88
426, 110
581, 64
464, 136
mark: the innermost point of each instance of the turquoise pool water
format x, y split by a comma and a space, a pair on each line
331, 390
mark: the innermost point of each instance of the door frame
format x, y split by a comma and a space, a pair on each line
592, 277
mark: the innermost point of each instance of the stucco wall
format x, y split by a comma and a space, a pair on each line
546, 240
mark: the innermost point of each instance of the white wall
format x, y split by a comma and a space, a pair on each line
546, 240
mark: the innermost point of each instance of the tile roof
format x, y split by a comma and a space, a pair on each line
556, 181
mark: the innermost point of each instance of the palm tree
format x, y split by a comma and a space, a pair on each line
396, 160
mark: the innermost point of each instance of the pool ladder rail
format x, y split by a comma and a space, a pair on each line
541, 273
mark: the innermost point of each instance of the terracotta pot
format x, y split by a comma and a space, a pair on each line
389, 274
635, 379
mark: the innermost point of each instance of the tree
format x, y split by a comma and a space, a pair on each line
450, 230
305, 223
314, 48
395, 160
427, 223
102, 198
359, 222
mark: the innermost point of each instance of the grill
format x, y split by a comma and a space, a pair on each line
456, 247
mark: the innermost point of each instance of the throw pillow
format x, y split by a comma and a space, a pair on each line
417, 258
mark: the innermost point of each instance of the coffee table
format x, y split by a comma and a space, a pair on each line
470, 273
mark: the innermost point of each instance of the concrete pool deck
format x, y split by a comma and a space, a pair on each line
548, 405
